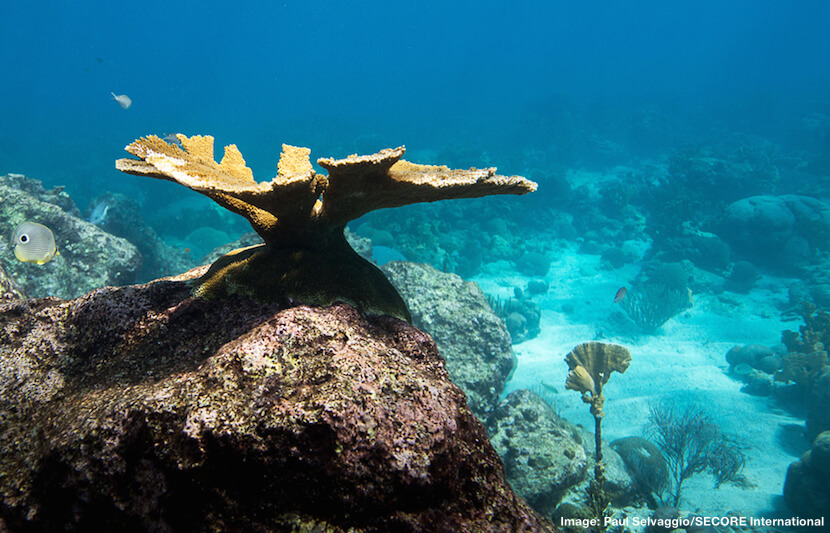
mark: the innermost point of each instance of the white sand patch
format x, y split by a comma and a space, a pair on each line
682, 363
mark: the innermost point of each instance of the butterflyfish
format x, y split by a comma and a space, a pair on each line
123, 100
34, 243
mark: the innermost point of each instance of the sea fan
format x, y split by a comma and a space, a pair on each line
652, 304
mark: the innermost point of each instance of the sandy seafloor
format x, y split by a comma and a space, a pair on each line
683, 362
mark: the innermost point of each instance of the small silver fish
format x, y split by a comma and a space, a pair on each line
123, 100
172, 138
99, 213
34, 243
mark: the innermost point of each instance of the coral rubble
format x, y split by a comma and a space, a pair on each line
301, 215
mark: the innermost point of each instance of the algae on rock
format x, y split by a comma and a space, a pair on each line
301, 215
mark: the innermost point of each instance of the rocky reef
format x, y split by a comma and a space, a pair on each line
187, 414
123, 218
9, 287
88, 256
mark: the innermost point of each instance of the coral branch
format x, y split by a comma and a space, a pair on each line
359, 184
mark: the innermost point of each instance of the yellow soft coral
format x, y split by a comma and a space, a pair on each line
591, 365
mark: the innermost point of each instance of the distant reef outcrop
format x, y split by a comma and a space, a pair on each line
783, 232
116, 249
88, 256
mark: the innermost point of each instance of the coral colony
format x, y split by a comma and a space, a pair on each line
301, 215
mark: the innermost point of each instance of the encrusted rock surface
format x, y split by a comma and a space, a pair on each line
9, 287
547, 458
472, 339
543, 454
805, 489
143, 408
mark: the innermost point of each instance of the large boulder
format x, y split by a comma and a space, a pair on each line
778, 231
143, 408
548, 460
818, 414
543, 454
806, 490
89, 257
470, 336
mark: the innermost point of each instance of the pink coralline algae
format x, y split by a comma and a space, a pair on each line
143, 407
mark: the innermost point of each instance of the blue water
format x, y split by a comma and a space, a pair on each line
327, 74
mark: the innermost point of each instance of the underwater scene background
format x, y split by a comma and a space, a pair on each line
682, 156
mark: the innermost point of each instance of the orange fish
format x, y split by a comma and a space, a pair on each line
620, 295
